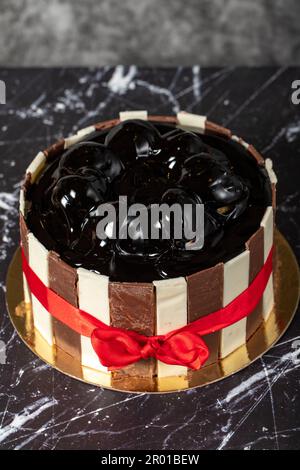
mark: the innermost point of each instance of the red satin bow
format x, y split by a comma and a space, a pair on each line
117, 347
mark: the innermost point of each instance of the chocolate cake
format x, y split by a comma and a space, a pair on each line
147, 286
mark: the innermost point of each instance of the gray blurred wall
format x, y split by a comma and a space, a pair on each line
149, 32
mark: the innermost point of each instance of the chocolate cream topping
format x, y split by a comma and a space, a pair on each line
149, 163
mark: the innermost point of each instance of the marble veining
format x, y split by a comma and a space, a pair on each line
43, 409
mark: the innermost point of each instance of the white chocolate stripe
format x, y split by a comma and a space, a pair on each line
268, 225
22, 206
125, 115
36, 166
268, 299
38, 261
194, 121
240, 141
236, 280
86, 131
93, 298
271, 173
26, 290
96, 376
74, 139
171, 313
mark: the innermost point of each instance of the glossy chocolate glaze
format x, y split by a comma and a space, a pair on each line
149, 163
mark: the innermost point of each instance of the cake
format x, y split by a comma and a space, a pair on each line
141, 310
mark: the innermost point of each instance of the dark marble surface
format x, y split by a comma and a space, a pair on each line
41, 408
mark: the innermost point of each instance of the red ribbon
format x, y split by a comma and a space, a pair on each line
117, 347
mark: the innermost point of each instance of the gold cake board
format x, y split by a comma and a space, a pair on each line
287, 289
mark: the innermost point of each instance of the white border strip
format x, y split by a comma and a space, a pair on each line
38, 261
22, 202
78, 137
271, 172
195, 121
171, 313
235, 138
236, 280
93, 298
125, 115
36, 166
268, 225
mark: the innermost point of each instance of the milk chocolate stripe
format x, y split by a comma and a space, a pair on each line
273, 186
214, 129
26, 183
63, 281
167, 119
213, 342
132, 306
256, 246
24, 235
54, 150
205, 295
205, 292
106, 124
256, 155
